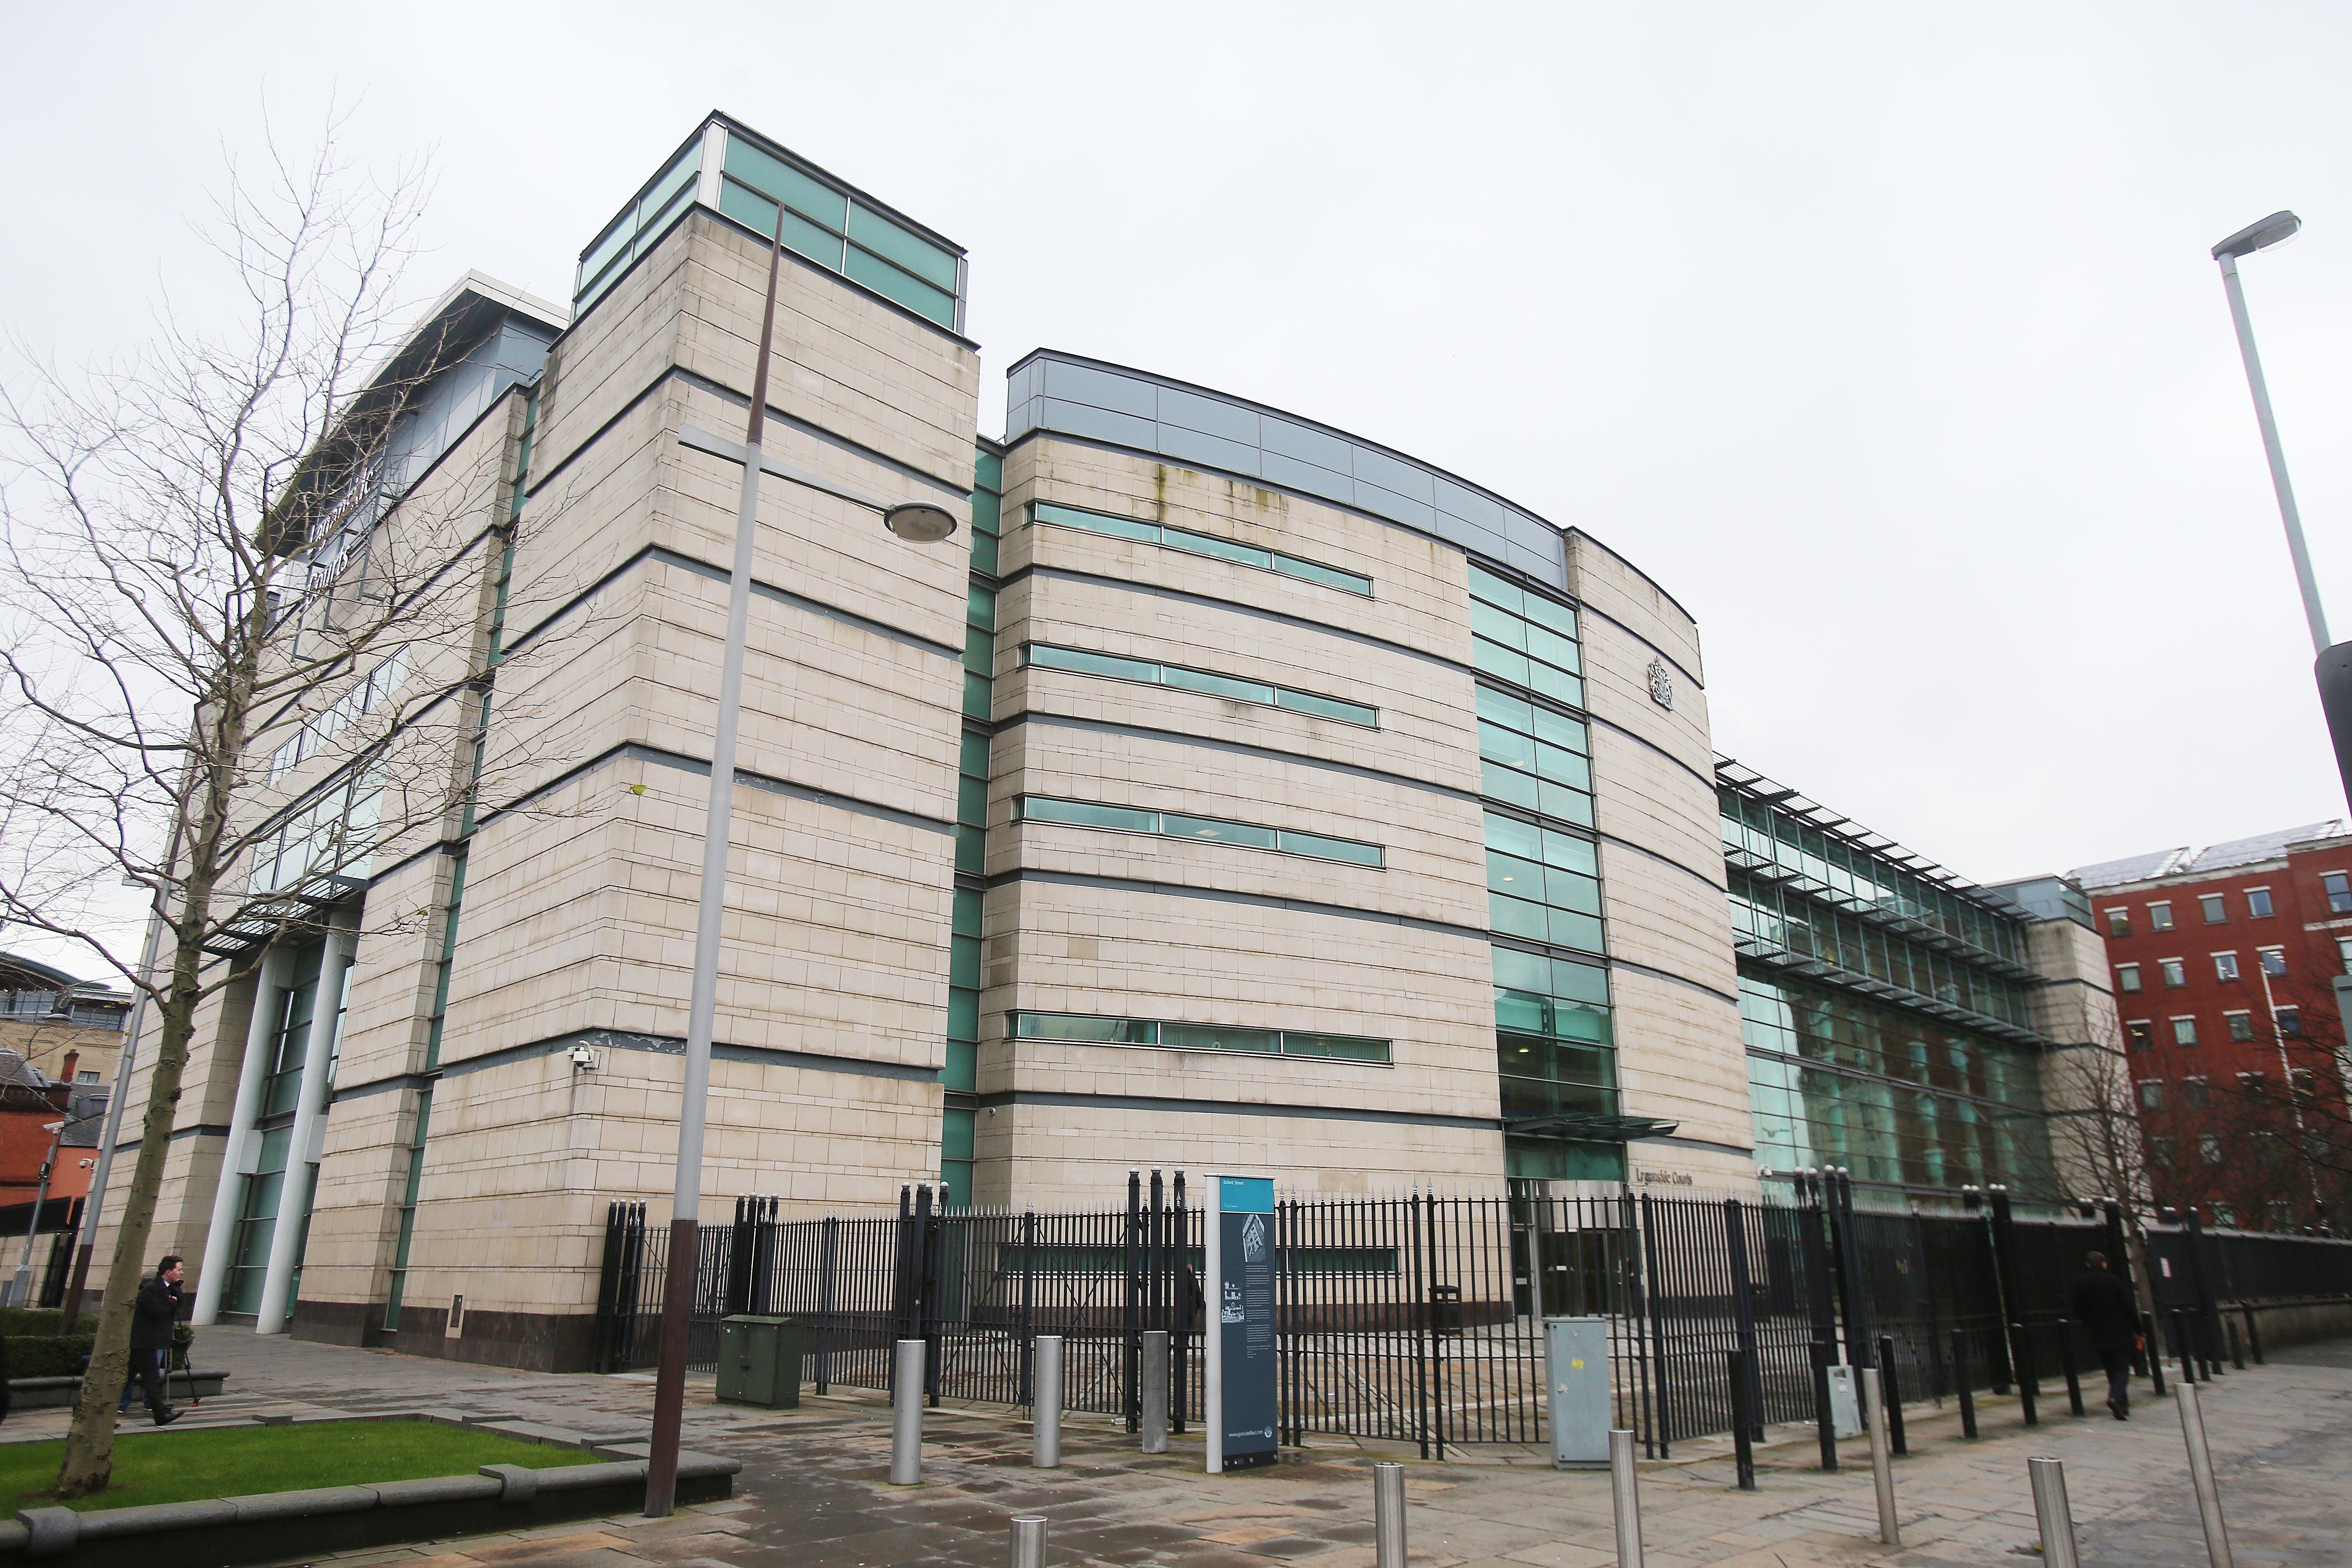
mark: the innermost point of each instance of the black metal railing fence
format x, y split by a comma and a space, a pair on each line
1419, 1319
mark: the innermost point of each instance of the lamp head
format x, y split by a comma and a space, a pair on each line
2259, 236
920, 521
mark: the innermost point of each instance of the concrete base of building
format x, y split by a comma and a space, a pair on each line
528, 1341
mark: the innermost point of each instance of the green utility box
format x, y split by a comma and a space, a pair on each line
760, 1362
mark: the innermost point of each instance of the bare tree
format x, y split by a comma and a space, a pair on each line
2097, 1145
246, 649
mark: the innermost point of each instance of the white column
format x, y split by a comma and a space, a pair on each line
229, 1197
309, 1112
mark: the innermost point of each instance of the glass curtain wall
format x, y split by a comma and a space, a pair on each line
1556, 1056
959, 1078
281, 1084
1882, 1003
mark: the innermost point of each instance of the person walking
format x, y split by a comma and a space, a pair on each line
154, 1318
2103, 1304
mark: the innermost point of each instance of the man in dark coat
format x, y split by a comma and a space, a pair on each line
153, 1319
2103, 1304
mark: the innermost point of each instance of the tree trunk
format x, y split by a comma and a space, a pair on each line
89, 1443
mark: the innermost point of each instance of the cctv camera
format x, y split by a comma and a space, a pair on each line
582, 1057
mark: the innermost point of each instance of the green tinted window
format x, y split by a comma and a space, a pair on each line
1179, 825
972, 755
1551, 613
892, 284
1553, 648
979, 606
1073, 1026
1329, 708
1498, 626
1330, 848
1498, 744
1086, 814
884, 238
1217, 684
1091, 663
778, 179
1095, 521
1514, 712
1201, 544
1329, 576
1218, 1038
1486, 586
1349, 1048
1498, 660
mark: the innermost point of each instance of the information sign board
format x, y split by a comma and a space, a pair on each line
1241, 1354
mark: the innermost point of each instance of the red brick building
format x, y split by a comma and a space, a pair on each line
2223, 962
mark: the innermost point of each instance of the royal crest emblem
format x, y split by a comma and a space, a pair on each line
1662, 684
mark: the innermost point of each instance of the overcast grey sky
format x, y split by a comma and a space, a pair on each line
1885, 337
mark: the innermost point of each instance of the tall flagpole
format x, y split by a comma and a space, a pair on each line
678, 1293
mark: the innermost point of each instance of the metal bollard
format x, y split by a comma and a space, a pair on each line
2200, 1471
1028, 1541
1625, 1497
2052, 1512
1743, 1422
1155, 1392
2188, 1351
1823, 1424
1046, 1406
1388, 1514
906, 1415
1882, 1467
1896, 1442
2153, 1353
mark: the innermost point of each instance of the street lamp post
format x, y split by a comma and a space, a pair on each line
919, 522
2334, 665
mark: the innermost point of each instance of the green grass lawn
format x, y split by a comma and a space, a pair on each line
235, 1462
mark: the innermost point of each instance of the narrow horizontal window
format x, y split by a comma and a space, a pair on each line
1199, 1037
1206, 681
1084, 814
1194, 543
1184, 824
1217, 684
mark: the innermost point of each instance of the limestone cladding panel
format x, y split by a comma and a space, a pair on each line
1110, 952
1419, 595
1607, 581
1651, 802
1667, 917
1427, 710
1078, 1156
1672, 1060
580, 914
354, 1210
1435, 859
525, 1155
844, 362
396, 965
2074, 1003
607, 358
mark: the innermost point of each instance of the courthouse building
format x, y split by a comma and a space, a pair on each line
1234, 793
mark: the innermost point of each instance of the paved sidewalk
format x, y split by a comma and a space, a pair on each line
813, 1487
